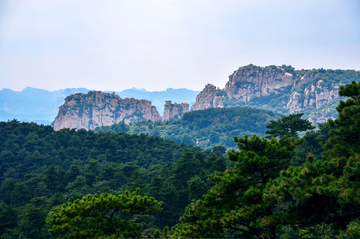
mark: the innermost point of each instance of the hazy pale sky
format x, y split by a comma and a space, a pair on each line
157, 44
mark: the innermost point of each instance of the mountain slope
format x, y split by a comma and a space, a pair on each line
281, 89
204, 128
94, 109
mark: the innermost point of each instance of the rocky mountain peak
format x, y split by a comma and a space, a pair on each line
209, 97
94, 109
279, 88
174, 111
251, 81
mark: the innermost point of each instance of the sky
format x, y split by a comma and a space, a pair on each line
159, 44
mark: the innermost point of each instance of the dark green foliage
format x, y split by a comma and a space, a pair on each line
234, 207
205, 128
255, 197
27, 221
288, 69
288, 126
116, 128
25, 147
8, 218
313, 144
351, 90
43, 168
326, 192
185, 181
101, 216
345, 138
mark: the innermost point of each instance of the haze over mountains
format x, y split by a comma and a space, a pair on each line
42, 106
281, 89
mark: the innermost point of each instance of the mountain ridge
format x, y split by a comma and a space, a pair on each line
38, 105
96, 108
281, 89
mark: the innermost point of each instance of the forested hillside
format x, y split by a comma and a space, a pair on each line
204, 128
42, 168
263, 197
27, 146
82, 184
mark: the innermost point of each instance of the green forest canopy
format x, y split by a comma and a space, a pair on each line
204, 128
25, 147
262, 197
42, 168
253, 193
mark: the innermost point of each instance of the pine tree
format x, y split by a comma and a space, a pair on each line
326, 192
104, 216
8, 218
288, 126
345, 138
235, 206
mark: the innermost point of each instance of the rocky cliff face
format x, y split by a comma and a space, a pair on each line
253, 81
281, 89
209, 97
174, 111
94, 109
313, 96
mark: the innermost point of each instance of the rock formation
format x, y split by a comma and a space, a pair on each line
282, 88
209, 97
175, 110
313, 96
253, 81
95, 109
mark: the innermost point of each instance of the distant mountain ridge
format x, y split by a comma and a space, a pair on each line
96, 109
281, 89
31, 104
158, 98
42, 106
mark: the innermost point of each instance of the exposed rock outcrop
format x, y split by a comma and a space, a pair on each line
321, 116
282, 89
313, 96
252, 81
174, 111
209, 97
324, 95
95, 109
245, 84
